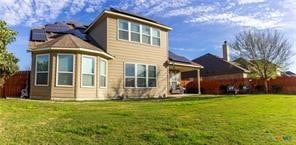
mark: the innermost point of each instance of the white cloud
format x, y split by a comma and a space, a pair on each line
16, 12
186, 11
242, 2
270, 21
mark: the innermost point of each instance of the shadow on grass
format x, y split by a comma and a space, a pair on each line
180, 99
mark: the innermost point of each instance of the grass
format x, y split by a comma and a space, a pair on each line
256, 119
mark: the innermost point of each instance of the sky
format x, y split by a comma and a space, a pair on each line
199, 26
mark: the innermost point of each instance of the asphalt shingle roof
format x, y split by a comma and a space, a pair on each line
214, 65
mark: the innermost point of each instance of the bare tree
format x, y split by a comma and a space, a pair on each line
266, 51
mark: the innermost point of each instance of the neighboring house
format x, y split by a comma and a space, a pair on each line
118, 55
216, 68
288, 74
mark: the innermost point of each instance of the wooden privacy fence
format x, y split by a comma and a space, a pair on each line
278, 85
14, 85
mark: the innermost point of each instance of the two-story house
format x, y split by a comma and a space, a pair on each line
119, 54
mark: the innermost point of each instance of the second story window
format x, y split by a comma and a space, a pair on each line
155, 37
135, 32
123, 30
146, 35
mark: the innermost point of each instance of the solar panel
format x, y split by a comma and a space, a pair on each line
57, 28
38, 35
176, 57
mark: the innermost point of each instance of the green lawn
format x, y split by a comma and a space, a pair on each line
257, 119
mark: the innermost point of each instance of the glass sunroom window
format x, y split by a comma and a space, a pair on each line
103, 73
123, 30
42, 69
88, 71
65, 69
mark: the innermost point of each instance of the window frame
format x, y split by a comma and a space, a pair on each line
36, 71
146, 35
155, 37
106, 75
141, 33
119, 29
136, 76
152, 77
94, 74
146, 76
57, 70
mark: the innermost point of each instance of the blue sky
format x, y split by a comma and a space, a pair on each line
199, 26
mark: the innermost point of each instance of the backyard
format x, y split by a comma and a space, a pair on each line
246, 119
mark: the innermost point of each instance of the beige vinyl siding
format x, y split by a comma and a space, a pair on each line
99, 33
132, 52
39, 92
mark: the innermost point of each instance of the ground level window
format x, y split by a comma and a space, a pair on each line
103, 73
151, 76
140, 75
130, 75
42, 69
65, 70
88, 71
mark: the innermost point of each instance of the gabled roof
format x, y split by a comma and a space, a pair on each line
213, 65
130, 15
181, 59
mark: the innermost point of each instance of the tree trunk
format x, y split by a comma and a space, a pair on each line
266, 86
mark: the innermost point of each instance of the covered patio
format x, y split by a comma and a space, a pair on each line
177, 65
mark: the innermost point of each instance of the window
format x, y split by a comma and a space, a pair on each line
140, 75
65, 70
138, 33
151, 76
123, 30
146, 35
135, 32
130, 75
103, 73
155, 37
88, 71
42, 69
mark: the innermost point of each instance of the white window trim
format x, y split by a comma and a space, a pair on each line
57, 70
35, 82
136, 76
119, 29
106, 62
135, 32
141, 33
155, 37
94, 74
152, 77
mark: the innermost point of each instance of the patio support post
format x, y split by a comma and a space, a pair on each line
198, 80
